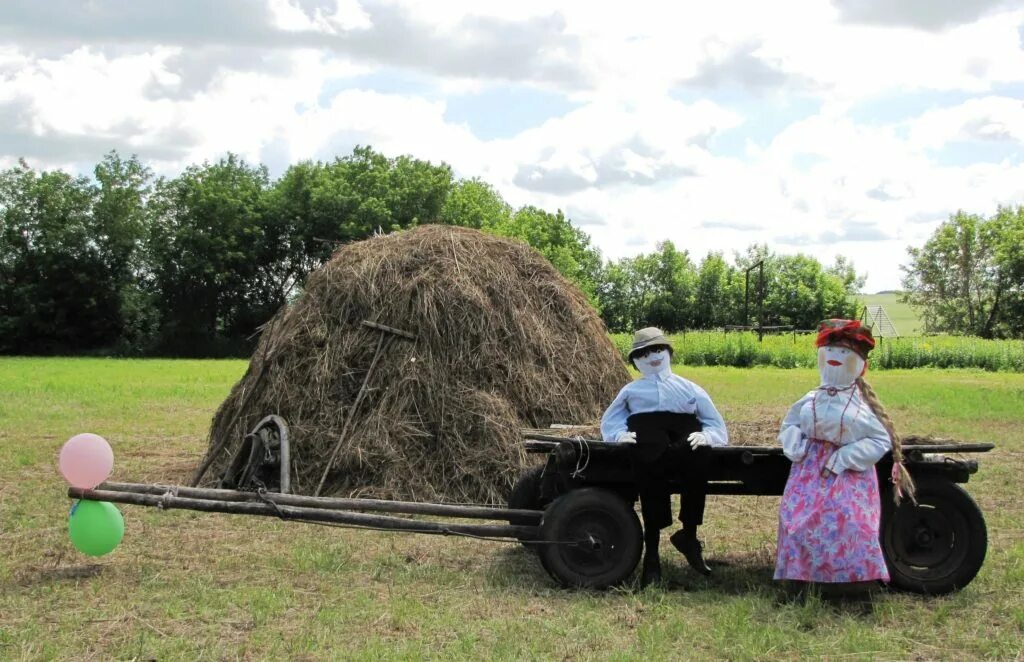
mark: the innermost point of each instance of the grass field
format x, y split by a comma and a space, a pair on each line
187, 585
904, 317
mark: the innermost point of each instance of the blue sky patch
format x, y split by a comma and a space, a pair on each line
505, 110
382, 81
959, 153
764, 118
900, 107
804, 161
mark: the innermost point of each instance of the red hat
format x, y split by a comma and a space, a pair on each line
848, 333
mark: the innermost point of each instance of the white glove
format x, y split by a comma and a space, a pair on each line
794, 443
626, 437
697, 439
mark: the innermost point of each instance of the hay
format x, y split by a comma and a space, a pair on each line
503, 341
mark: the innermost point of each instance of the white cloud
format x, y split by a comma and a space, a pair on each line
920, 14
638, 157
987, 118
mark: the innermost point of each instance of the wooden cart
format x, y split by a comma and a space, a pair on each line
585, 489
577, 508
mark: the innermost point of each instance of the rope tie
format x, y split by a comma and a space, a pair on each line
584, 446
165, 498
261, 492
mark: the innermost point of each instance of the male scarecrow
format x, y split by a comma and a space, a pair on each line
672, 421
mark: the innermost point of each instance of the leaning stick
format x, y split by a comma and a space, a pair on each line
359, 396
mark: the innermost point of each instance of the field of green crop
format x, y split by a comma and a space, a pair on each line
905, 318
787, 350
190, 586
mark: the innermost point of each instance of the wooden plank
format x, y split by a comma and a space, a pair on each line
537, 442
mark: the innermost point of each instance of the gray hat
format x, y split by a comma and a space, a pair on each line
649, 337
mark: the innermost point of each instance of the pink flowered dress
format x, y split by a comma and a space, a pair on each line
829, 517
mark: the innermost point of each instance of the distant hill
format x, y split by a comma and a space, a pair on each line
903, 317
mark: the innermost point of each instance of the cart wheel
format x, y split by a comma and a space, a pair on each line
525, 495
937, 546
590, 539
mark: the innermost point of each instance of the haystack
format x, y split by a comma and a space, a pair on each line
503, 341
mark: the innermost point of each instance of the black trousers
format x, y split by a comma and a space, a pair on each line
663, 453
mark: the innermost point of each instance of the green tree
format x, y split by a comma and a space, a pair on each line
316, 207
628, 289
473, 203
367, 192
649, 289
1007, 230
967, 278
57, 293
563, 244
798, 290
671, 307
796, 295
714, 304
121, 217
208, 246
303, 236
949, 278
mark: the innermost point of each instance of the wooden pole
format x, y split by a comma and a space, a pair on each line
310, 514
384, 337
389, 329
351, 414
329, 503
760, 302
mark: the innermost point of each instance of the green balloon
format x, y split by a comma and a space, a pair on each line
96, 527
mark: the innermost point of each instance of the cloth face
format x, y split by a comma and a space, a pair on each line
839, 366
653, 363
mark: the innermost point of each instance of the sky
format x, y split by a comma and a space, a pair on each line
824, 127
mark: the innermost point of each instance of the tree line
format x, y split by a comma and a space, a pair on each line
968, 278
128, 263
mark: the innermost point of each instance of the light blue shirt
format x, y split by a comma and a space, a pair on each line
668, 392
843, 419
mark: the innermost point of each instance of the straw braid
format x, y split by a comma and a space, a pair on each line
903, 484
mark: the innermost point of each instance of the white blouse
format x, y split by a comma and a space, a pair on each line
841, 417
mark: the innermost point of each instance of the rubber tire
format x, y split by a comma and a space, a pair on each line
525, 495
578, 515
938, 546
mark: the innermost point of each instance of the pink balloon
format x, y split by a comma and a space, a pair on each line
86, 460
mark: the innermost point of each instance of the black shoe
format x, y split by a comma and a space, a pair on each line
651, 573
690, 547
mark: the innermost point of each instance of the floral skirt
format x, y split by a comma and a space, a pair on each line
828, 527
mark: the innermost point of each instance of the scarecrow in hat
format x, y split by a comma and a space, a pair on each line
672, 421
834, 435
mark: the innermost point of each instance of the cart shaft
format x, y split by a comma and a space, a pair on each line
275, 508
331, 503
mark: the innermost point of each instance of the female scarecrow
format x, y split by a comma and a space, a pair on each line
672, 421
834, 435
